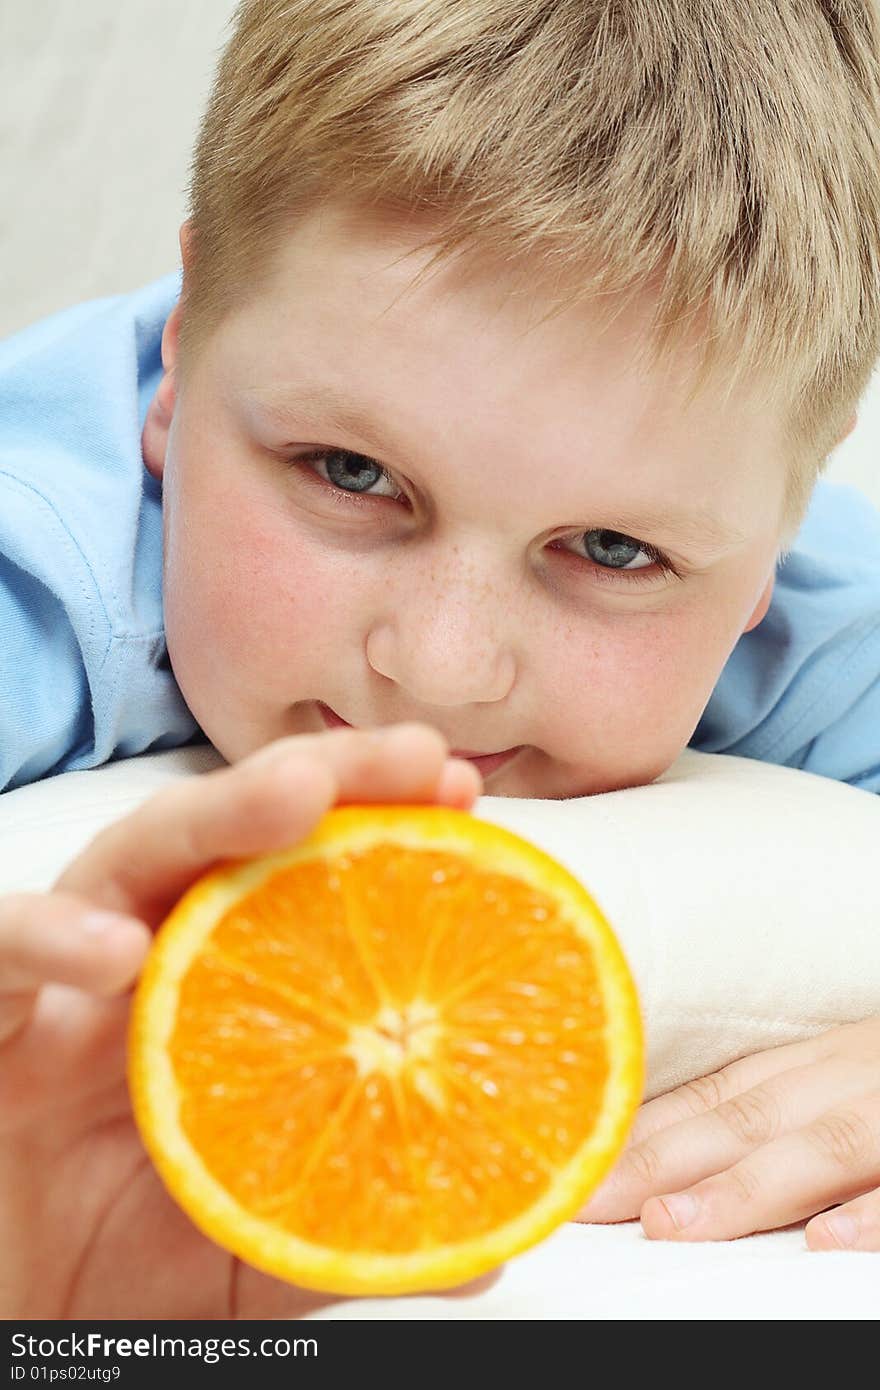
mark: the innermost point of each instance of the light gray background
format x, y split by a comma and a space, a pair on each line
99, 104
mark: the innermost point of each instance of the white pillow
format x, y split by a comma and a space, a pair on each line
745, 895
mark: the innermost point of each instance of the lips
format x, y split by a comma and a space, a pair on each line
486, 762
489, 762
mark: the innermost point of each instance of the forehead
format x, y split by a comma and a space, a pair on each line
478, 356
373, 266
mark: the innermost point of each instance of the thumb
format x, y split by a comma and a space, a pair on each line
257, 1295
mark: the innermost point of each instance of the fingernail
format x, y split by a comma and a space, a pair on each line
100, 923
474, 774
682, 1208
844, 1229
451, 787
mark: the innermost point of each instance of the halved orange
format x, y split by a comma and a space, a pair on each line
389, 1058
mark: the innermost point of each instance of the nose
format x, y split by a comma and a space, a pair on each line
445, 644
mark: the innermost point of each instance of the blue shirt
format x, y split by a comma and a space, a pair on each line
84, 670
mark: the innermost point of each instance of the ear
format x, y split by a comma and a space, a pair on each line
763, 604
154, 438
172, 324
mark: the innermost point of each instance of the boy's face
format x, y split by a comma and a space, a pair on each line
454, 560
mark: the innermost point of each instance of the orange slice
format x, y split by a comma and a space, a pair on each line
389, 1058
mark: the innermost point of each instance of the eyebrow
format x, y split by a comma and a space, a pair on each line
316, 402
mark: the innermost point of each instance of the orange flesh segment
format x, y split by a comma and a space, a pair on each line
392, 1076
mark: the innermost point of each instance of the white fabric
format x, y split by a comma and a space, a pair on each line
614, 1272
746, 898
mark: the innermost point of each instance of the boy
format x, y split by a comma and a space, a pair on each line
532, 495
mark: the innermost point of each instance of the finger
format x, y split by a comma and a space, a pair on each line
61, 939
693, 1149
482, 1284
58, 938
707, 1092
854, 1226
258, 1295
274, 798
254, 1294
459, 784
400, 762
834, 1159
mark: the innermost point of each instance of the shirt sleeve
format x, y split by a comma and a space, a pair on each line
45, 706
802, 689
848, 748
84, 671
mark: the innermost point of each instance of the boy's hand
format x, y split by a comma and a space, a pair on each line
86, 1227
768, 1141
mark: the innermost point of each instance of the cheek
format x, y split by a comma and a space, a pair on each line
637, 683
672, 661
249, 598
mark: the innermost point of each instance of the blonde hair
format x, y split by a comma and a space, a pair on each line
729, 149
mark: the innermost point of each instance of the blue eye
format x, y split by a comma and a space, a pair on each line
344, 468
349, 472
612, 551
615, 548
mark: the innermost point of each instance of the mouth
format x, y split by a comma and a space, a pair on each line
485, 762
